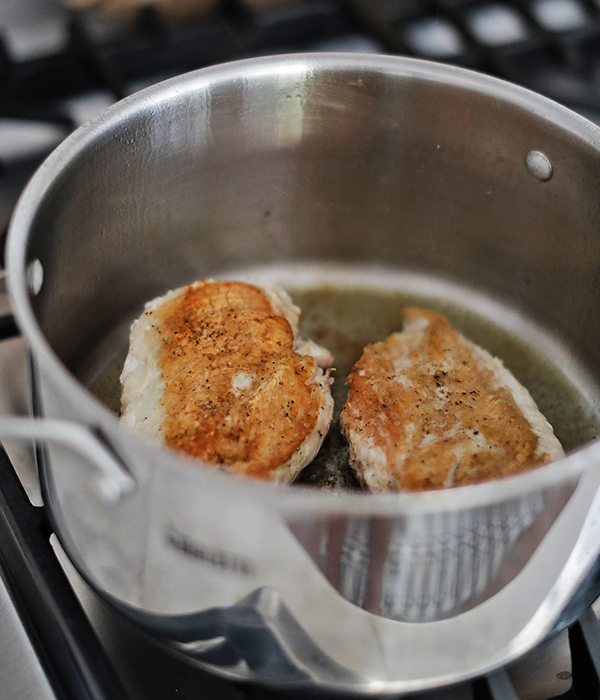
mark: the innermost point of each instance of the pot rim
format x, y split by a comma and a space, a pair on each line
568, 469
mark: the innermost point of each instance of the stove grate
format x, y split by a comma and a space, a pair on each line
67, 647
551, 46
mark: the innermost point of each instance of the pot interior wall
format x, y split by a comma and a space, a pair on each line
347, 166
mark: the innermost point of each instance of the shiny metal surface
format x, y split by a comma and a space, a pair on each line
538, 166
148, 671
21, 674
112, 478
322, 162
15, 401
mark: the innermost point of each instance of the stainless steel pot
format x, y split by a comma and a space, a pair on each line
335, 168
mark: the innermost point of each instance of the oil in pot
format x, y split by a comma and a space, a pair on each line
345, 318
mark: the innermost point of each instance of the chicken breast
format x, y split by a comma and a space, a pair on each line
215, 369
429, 409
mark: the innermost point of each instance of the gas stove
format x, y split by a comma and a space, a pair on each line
58, 68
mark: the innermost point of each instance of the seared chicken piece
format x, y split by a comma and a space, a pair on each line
215, 370
429, 409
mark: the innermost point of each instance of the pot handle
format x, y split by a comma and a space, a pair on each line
115, 479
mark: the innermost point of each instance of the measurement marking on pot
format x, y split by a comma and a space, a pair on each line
220, 558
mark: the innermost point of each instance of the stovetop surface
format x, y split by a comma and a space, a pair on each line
59, 68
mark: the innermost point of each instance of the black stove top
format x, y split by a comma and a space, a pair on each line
550, 46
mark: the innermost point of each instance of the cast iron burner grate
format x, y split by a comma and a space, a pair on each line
550, 46
73, 658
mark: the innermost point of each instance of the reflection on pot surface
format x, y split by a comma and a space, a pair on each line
342, 172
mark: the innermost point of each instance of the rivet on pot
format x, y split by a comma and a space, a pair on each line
35, 276
538, 165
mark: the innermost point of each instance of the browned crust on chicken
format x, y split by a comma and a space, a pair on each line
236, 393
430, 409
